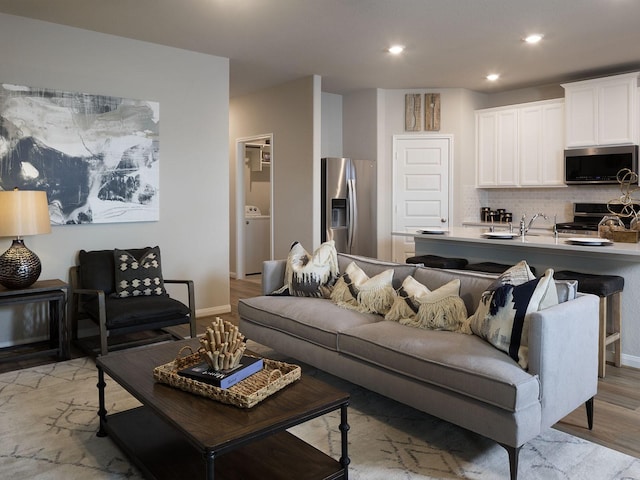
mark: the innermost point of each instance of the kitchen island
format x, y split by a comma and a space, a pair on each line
542, 250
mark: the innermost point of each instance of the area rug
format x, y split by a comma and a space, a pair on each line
48, 418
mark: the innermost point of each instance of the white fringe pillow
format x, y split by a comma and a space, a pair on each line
440, 309
355, 290
405, 304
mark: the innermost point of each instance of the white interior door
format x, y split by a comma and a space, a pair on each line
420, 187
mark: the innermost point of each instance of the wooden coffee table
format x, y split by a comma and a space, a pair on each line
175, 434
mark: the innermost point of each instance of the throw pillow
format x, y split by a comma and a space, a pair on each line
516, 275
440, 309
136, 277
355, 290
502, 318
405, 304
310, 275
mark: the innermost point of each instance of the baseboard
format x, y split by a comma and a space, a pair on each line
210, 311
629, 360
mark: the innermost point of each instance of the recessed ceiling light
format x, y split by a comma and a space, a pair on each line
492, 77
396, 49
533, 38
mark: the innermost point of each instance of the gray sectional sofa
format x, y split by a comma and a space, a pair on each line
457, 377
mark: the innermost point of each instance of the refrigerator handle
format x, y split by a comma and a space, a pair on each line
352, 212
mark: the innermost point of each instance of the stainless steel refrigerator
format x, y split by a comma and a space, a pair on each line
349, 205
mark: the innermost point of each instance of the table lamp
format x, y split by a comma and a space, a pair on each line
22, 212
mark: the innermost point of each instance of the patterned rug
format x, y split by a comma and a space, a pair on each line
48, 424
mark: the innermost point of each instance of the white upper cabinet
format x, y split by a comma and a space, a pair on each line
520, 145
603, 111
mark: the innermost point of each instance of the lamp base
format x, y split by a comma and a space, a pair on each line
19, 266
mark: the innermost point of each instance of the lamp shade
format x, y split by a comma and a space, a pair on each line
24, 212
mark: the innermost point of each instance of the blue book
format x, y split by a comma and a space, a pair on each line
224, 378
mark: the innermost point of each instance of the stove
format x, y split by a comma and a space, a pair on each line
587, 216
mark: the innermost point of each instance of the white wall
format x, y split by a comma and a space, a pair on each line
331, 136
360, 125
192, 90
287, 111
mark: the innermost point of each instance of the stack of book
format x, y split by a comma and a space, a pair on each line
223, 378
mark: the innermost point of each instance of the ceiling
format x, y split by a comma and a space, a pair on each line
449, 43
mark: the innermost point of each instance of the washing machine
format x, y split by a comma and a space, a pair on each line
256, 239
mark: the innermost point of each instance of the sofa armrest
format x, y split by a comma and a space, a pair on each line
272, 275
563, 352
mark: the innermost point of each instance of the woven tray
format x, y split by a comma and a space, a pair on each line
245, 394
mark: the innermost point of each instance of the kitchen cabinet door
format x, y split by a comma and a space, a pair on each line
541, 145
617, 112
603, 111
552, 160
497, 148
581, 105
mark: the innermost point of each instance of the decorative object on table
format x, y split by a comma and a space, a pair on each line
432, 112
224, 378
245, 394
97, 156
22, 213
611, 227
413, 112
222, 346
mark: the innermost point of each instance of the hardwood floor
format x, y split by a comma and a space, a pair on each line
617, 404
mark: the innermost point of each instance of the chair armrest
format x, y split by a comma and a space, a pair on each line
563, 352
273, 275
190, 292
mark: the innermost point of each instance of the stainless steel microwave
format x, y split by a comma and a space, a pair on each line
598, 164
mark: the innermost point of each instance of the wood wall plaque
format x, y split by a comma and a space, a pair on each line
432, 112
413, 112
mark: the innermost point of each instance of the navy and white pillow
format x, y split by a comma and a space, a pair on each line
503, 315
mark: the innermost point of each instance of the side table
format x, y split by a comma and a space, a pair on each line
55, 293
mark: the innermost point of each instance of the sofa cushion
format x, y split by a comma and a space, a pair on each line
309, 275
315, 320
462, 363
356, 291
472, 284
373, 267
502, 317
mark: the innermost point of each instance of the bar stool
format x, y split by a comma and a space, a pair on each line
434, 261
609, 289
492, 267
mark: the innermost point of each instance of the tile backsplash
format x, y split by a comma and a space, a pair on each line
528, 201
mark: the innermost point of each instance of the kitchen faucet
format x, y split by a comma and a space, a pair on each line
524, 228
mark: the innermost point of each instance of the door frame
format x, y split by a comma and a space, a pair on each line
394, 154
240, 200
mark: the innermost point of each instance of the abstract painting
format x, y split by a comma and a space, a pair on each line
96, 156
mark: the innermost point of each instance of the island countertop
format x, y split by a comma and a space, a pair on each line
535, 240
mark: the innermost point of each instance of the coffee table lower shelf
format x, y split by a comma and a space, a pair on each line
161, 452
